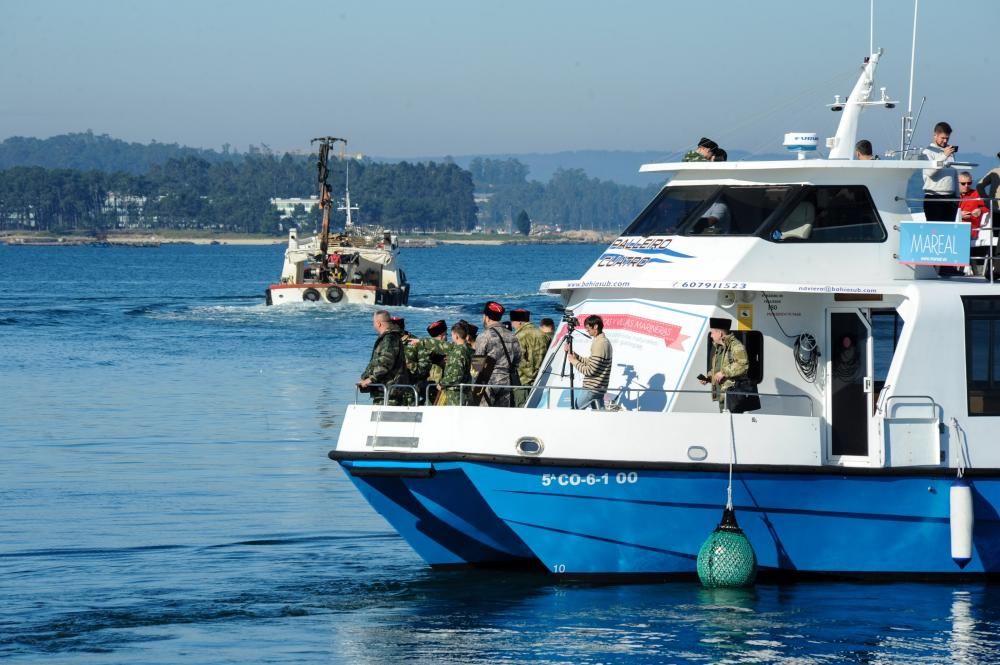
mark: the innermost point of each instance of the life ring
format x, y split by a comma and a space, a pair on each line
310, 295
335, 294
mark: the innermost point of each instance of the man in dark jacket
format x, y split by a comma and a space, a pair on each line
387, 365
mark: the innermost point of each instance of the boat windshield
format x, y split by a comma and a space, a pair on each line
728, 210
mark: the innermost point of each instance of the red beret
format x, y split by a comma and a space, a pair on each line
493, 310
437, 328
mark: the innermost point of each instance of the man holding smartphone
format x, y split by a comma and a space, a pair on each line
940, 190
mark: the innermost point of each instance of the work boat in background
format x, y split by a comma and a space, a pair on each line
359, 265
874, 450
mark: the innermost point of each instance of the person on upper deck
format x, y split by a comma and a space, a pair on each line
940, 204
729, 360
989, 187
972, 207
863, 150
703, 152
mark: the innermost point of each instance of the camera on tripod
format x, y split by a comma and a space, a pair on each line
570, 320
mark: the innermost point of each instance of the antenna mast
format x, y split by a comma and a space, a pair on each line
906, 133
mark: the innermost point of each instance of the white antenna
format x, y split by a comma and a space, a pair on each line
871, 28
347, 207
907, 129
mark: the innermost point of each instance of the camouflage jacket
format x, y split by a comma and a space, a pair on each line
693, 156
388, 364
731, 359
458, 360
492, 344
533, 348
430, 346
418, 358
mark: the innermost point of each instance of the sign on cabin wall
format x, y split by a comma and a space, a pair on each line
934, 243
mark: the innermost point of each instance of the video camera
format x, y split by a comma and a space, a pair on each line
570, 320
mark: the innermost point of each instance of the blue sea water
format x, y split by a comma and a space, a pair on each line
165, 494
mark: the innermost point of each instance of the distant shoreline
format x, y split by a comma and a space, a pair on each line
151, 240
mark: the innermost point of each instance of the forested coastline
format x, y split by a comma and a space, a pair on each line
96, 184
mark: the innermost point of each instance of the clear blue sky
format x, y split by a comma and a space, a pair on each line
420, 78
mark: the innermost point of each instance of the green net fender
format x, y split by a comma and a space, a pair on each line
727, 559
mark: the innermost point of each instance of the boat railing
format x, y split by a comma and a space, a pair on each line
645, 399
385, 391
896, 402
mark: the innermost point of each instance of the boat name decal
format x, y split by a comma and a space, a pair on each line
640, 251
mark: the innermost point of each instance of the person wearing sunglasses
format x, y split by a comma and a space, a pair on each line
973, 208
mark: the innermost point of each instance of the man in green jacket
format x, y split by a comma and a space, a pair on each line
534, 345
457, 364
387, 365
729, 360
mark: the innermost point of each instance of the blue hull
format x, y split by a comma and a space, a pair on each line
438, 512
614, 521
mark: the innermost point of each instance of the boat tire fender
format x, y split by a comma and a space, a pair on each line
310, 295
335, 294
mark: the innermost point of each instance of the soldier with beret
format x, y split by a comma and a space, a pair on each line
457, 367
434, 348
533, 349
729, 360
417, 364
502, 346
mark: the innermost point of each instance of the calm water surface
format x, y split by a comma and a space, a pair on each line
165, 494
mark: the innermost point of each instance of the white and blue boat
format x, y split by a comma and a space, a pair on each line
874, 450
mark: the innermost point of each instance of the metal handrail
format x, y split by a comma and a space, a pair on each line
387, 390
627, 390
619, 392
932, 404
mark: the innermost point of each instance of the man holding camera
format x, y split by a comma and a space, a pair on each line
595, 368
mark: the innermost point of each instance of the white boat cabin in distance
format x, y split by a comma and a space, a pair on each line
359, 265
879, 383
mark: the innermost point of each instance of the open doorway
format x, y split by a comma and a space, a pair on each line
850, 406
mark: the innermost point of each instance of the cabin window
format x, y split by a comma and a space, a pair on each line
669, 210
711, 210
830, 214
982, 354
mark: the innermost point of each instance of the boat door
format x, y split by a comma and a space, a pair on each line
849, 385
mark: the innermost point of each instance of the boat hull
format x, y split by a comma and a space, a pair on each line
438, 512
593, 520
336, 294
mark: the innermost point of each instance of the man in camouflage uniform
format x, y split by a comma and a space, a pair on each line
500, 344
533, 348
729, 360
548, 328
703, 153
458, 362
418, 362
387, 365
434, 349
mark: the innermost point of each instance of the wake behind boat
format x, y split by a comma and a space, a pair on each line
359, 265
873, 450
